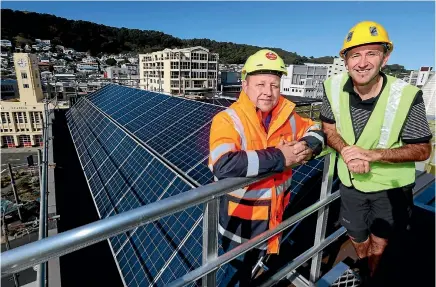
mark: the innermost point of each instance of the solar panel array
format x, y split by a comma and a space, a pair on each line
122, 175
137, 147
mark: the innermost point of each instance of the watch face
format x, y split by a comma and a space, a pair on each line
22, 63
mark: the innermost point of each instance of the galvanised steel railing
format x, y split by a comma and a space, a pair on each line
41, 251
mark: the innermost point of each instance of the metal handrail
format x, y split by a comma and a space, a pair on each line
31, 254
41, 273
43, 250
252, 243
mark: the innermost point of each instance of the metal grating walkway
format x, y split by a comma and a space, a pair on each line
347, 279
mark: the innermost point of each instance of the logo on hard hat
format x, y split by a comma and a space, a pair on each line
349, 36
373, 31
271, 56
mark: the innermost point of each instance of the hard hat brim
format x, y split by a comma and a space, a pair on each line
271, 72
390, 47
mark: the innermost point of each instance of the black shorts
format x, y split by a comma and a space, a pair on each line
380, 213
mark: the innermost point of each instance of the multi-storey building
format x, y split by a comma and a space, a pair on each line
420, 77
21, 122
9, 89
191, 70
87, 67
337, 67
304, 81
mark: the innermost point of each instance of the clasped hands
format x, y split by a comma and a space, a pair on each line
295, 152
357, 159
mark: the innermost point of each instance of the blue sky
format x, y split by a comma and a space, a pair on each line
308, 28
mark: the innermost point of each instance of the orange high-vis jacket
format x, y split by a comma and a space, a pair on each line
238, 132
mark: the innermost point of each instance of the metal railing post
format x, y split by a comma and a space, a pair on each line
321, 224
210, 239
41, 274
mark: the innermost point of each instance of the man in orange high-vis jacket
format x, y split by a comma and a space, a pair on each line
258, 134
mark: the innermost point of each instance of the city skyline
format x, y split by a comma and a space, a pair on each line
320, 26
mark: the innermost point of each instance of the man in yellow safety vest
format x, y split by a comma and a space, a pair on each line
378, 125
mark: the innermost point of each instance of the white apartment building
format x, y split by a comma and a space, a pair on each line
88, 59
191, 70
21, 122
304, 81
337, 67
420, 77
87, 67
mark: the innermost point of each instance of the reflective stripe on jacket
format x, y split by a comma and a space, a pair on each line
238, 131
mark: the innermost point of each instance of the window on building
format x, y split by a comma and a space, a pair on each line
174, 65
185, 65
35, 117
212, 57
24, 140
5, 118
36, 75
26, 86
23, 75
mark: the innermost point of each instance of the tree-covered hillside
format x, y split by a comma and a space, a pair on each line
24, 27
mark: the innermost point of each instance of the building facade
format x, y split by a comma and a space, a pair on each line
87, 67
420, 77
179, 71
28, 78
21, 122
337, 67
9, 89
304, 81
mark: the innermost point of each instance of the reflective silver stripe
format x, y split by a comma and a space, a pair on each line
293, 126
263, 193
238, 126
314, 127
253, 163
237, 238
284, 186
391, 110
280, 188
335, 92
221, 149
288, 183
313, 134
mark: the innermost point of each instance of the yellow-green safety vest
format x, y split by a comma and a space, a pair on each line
382, 131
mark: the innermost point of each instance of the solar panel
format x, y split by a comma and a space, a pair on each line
176, 128
123, 175
137, 147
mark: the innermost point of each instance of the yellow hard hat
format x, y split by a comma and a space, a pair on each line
264, 62
366, 32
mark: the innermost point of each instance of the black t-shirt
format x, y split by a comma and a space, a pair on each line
415, 130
